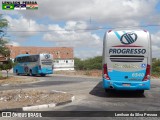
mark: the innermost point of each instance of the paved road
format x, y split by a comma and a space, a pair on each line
90, 95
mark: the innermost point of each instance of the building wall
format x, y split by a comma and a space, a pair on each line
63, 56
65, 64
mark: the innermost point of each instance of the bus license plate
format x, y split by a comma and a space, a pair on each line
125, 84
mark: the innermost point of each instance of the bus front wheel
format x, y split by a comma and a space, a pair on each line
43, 75
17, 72
30, 73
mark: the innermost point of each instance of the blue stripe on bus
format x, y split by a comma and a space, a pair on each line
119, 75
118, 36
117, 79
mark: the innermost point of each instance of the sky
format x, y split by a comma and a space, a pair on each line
81, 24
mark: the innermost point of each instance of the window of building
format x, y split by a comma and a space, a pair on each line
66, 61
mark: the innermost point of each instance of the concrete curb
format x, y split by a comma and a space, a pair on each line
43, 106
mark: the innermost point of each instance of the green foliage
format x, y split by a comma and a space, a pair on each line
156, 66
89, 64
4, 51
7, 65
3, 22
78, 64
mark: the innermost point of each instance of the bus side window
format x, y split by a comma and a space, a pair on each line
25, 59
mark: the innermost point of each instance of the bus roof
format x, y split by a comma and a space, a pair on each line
123, 29
22, 55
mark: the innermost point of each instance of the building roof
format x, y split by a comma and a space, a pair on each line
58, 52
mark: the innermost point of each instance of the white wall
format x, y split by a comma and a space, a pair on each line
66, 64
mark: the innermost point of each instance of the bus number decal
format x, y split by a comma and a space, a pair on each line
137, 74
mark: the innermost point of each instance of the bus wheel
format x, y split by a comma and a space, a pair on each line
17, 72
108, 92
141, 92
43, 75
30, 73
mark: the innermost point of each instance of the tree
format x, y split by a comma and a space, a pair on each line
7, 65
88, 64
3, 22
4, 51
78, 63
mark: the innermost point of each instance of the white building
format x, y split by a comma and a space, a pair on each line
65, 64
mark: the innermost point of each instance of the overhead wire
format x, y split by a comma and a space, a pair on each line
87, 29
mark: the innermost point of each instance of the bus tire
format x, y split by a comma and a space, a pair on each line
43, 75
108, 92
30, 73
141, 92
17, 72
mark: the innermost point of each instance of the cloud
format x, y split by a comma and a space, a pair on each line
19, 26
84, 54
85, 43
69, 36
77, 15
110, 12
13, 43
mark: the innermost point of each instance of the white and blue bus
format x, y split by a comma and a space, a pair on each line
40, 64
126, 60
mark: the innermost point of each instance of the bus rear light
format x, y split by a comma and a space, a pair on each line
109, 31
39, 67
105, 72
145, 30
147, 75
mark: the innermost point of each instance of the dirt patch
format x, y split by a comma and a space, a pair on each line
22, 98
92, 73
16, 80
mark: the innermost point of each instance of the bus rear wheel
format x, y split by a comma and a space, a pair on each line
141, 92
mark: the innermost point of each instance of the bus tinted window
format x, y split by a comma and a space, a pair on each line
33, 58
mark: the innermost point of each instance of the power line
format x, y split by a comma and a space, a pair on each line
88, 29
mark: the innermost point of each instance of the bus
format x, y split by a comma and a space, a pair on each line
126, 60
39, 64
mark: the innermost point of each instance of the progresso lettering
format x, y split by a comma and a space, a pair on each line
127, 51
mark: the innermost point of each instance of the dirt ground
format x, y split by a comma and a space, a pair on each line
22, 98
16, 80
92, 73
